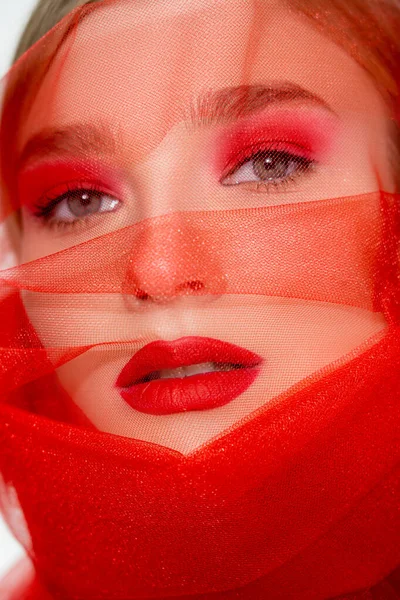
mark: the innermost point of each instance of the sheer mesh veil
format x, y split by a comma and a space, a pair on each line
199, 303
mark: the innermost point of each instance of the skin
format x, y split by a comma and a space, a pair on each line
141, 89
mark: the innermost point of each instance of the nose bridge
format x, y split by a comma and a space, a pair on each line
163, 176
170, 254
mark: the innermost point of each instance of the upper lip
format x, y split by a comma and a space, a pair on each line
183, 352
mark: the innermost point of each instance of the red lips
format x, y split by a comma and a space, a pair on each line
196, 392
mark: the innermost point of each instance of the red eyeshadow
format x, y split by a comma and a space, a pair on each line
310, 134
43, 178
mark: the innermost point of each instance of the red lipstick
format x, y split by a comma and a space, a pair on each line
162, 379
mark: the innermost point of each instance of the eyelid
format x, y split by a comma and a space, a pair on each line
247, 154
45, 179
60, 224
63, 189
310, 131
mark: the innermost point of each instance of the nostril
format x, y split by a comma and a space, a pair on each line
185, 288
142, 295
194, 285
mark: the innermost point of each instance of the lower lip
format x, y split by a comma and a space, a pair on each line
197, 392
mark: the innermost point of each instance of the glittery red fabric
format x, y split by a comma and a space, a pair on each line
21, 584
295, 498
228, 507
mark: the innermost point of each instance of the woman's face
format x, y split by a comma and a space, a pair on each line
120, 95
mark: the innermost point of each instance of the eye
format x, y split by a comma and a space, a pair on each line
76, 205
273, 167
82, 203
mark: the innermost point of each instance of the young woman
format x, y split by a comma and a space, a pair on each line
200, 342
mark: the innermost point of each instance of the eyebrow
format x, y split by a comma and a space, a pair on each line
232, 103
212, 107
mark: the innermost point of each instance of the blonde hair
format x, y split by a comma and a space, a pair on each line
44, 17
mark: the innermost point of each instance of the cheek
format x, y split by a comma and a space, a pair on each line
366, 158
385, 157
33, 245
69, 321
351, 168
10, 240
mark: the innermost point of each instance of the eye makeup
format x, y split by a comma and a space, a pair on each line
299, 140
307, 134
41, 184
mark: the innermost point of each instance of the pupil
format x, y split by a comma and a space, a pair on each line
84, 203
276, 165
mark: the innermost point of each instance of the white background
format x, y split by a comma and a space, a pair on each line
13, 16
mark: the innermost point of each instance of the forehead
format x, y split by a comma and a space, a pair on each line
140, 64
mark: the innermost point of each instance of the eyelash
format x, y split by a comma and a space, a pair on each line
44, 209
305, 166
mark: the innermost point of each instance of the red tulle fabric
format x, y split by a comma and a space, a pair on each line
296, 498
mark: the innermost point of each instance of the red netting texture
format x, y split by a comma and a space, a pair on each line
199, 314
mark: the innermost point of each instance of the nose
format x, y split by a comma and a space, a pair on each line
172, 258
